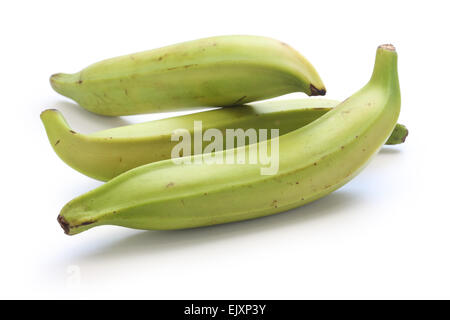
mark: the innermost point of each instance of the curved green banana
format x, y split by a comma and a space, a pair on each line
106, 154
217, 71
313, 161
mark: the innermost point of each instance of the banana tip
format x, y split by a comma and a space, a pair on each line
389, 47
317, 92
59, 81
64, 224
54, 77
48, 113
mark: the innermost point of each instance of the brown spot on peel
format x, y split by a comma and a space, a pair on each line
56, 143
64, 224
184, 67
239, 100
275, 203
317, 92
85, 223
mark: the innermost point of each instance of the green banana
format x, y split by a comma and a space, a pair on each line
106, 154
313, 161
217, 71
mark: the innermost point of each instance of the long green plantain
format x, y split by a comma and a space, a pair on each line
106, 154
217, 71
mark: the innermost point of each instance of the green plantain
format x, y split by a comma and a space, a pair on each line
104, 155
313, 161
217, 71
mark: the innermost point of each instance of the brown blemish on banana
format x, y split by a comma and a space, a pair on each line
184, 67
317, 92
275, 203
170, 184
239, 100
56, 143
84, 224
72, 132
64, 224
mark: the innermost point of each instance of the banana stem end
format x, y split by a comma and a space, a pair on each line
64, 224
388, 46
317, 92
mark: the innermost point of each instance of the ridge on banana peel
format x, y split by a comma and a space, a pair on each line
314, 161
216, 71
106, 154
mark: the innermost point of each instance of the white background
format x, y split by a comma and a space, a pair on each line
386, 234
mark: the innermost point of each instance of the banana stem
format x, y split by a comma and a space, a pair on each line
398, 135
